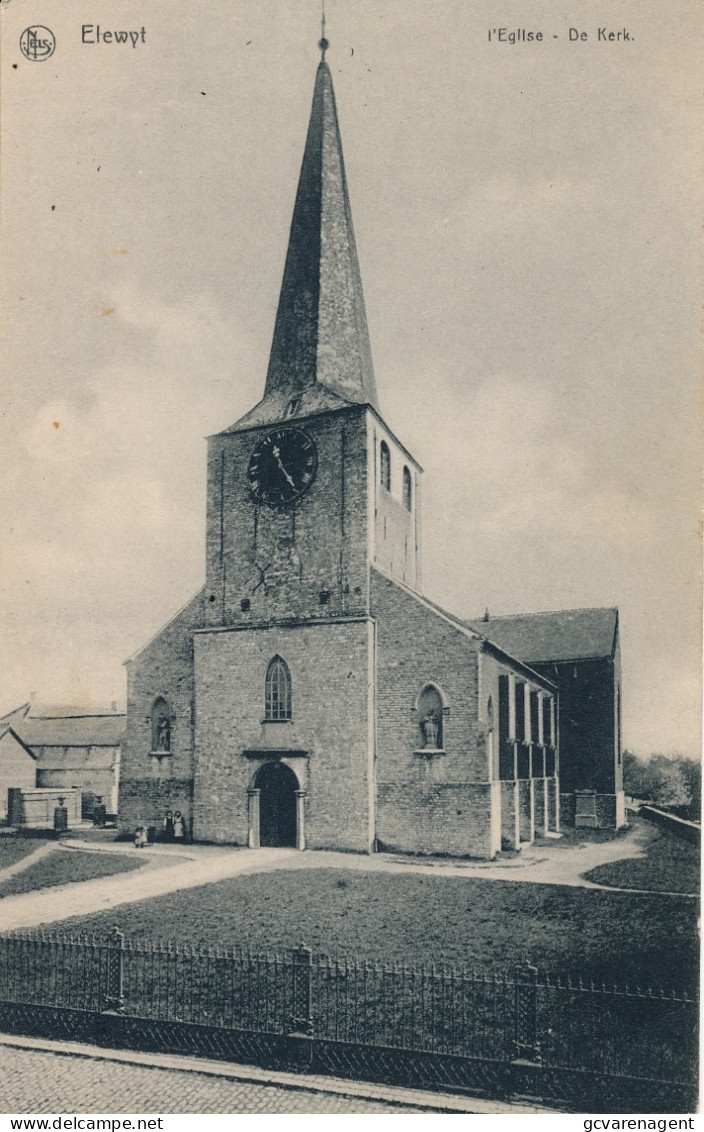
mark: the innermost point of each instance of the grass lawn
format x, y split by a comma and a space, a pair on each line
65, 867
425, 919
13, 850
671, 865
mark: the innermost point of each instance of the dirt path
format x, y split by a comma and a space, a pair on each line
545, 863
49, 905
537, 864
194, 865
42, 850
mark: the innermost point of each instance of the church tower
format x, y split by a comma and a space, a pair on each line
311, 486
309, 696
306, 493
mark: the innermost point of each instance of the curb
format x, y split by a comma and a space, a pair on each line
248, 1074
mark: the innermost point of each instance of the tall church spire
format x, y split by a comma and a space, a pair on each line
321, 335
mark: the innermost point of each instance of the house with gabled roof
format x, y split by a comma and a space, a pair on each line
73, 748
18, 766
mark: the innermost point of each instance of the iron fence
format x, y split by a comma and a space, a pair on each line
358, 1016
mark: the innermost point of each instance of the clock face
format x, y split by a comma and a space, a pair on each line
282, 466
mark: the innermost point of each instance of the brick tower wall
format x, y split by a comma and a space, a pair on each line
329, 735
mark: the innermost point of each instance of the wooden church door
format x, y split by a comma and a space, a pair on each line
277, 805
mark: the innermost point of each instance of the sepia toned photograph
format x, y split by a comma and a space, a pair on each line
350, 719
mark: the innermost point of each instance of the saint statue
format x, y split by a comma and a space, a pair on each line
163, 734
429, 727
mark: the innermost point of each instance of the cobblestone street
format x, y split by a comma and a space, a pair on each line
38, 1081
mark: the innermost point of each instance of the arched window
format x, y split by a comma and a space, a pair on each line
161, 726
385, 466
430, 713
407, 489
277, 694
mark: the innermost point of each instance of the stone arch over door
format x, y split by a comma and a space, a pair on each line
280, 818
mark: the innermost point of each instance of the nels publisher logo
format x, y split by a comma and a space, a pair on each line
37, 43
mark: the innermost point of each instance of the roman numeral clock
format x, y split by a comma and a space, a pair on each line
282, 466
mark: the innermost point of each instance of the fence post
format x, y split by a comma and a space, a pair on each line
302, 997
526, 1001
114, 990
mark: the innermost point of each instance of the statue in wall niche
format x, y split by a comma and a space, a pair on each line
163, 734
429, 727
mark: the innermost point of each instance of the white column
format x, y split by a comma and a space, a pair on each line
300, 819
512, 706
253, 835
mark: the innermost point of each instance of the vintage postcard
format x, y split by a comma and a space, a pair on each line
351, 698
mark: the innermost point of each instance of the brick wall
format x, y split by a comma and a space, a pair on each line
331, 728
145, 801
319, 544
149, 785
428, 818
510, 824
606, 811
396, 527
429, 803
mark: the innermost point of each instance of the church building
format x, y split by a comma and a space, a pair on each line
309, 695
578, 649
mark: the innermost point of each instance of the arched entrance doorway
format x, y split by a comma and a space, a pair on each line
277, 785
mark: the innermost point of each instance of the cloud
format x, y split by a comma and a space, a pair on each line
105, 492
508, 205
528, 470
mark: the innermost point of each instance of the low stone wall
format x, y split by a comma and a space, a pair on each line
687, 830
34, 809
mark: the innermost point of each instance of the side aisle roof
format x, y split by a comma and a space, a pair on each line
562, 635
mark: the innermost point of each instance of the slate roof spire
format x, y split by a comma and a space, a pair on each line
321, 335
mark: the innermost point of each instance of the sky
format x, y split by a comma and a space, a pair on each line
527, 221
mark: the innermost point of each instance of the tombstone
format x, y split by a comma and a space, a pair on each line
60, 817
585, 809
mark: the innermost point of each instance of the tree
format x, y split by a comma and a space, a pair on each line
691, 772
668, 785
666, 780
636, 780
